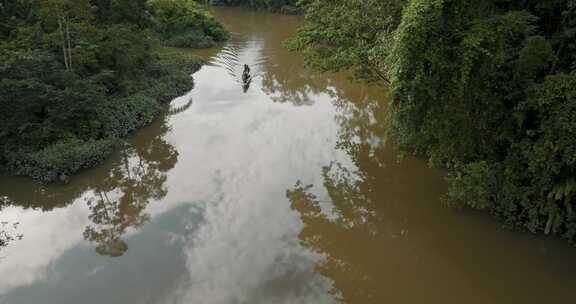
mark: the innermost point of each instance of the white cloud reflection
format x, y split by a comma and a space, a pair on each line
46, 237
241, 162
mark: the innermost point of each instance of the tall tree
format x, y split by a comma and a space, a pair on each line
66, 14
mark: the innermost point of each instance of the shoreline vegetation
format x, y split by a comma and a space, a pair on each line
79, 76
287, 7
485, 90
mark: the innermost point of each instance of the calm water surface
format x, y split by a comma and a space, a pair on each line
280, 192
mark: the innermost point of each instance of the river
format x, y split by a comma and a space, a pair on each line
283, 191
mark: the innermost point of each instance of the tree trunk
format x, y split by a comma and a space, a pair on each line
69, 44
61, 28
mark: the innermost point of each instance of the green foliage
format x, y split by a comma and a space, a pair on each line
128, 12
122, 49
39, 100
60, 159
183, 23
75, 80
123, 115
169, 77
474, 185
12, 12
467, 70
348, 34
542, 164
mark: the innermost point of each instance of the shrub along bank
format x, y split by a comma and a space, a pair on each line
183, 23
279, 6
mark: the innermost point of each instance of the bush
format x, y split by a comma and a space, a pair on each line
170, 77
183, 23
539, 184
474, 186
121, 116
192, 39
60, 160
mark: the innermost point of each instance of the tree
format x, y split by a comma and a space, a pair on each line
12, 13
132, 12
348, 34
183, 23
66, 14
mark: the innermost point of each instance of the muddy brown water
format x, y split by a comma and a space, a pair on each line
282, 191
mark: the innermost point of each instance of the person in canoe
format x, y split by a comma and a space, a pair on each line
246, 78
246, 74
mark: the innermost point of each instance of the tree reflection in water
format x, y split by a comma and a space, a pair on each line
116, 193
282, 86
9, 231
284, 82
379, 223
120, 202
350, 191
359, 216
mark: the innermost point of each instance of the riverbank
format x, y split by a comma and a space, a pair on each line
483, 90
79, 76
168, 77
285, 7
